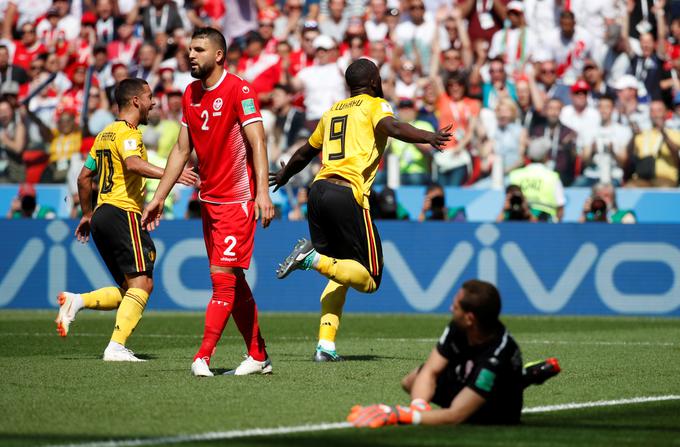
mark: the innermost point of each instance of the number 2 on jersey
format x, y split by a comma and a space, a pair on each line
231, 243
205, 115
338, 129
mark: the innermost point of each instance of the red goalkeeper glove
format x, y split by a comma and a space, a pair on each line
379, 415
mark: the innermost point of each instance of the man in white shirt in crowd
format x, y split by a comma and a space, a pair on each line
514, 43
322, 84
594, 16
335, 24
569, 47
604, 159
415, 36
579, 116
629, 111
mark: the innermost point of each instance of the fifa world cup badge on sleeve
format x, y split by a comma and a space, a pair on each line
130, 145
248, 106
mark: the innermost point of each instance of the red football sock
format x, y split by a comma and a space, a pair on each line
245, 316
217, 313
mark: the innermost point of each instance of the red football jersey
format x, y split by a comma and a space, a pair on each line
215, 118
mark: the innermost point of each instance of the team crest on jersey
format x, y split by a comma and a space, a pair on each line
245, 89
217, 104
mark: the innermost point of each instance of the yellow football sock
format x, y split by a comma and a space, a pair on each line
129, 313
107, 298
347, 272
332, 301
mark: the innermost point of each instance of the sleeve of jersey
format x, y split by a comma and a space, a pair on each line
381, 109
316, 139
130, 144
483, 378
445, 342
247, 105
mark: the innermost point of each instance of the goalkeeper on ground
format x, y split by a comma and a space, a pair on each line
474, 373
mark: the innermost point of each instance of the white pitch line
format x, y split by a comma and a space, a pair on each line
385, 339
234, 434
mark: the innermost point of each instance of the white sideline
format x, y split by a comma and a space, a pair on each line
233, 434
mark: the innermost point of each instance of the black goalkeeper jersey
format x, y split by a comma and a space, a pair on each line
493, 370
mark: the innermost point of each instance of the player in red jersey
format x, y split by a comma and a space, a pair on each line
222, 122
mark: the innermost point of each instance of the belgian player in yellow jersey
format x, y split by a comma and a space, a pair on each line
345, 246
119, 158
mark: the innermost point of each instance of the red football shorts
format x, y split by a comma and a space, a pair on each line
229, 232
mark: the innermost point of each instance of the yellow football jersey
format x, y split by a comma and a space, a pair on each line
118, 186
351, 149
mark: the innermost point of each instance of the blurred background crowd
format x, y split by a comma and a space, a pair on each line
541, 94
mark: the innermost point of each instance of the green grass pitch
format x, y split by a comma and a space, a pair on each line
58, 391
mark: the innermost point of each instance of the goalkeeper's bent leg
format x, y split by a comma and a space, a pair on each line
346, 272
332, 302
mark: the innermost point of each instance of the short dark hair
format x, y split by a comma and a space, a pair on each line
483, 300
567, 14
213, 35
608, 97
360, 73
127, 89
285, 87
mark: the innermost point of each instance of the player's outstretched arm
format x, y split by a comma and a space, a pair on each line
400, 130
426, 381
297, 163
263, 203
173, 170
85, 194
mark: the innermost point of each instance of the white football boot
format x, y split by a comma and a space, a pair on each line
200, 368
69, 305
116, 352
252, 366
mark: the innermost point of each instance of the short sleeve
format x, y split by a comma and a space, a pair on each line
247, 105
381, 109
445, 345
316, 139
129, 143
483, 377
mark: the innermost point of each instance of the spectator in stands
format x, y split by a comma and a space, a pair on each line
8, 71
505, 143
428, 105
161, 16
499, 86
434, 204
322, 84
27, 48
148, 61
335, 23
414, 159
107, 23
579, 116
515, 42
408, 83
561, 155
98, 112
593, 16
65, 140
12, 144
290, 121
124, 49
649, 70
356, 48
484, 17
515, 206
542, 17
305, 56
529, 100
655, 152
540, 185
629, 111
598, 88
262, 70
20, 12
601, 206
455, 108
25, 205
288, 23
613, 56
569, 47
549, 84
265, 26
376, 25
415, 35
59, 28
606, 157
377, 51
454, 36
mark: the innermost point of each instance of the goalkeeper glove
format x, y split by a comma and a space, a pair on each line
416, 405
379, 415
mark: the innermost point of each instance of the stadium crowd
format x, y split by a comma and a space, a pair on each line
565, 92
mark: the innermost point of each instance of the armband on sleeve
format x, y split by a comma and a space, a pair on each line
90, 163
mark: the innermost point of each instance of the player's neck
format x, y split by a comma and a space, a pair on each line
129, 116
361, 91
213, 78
